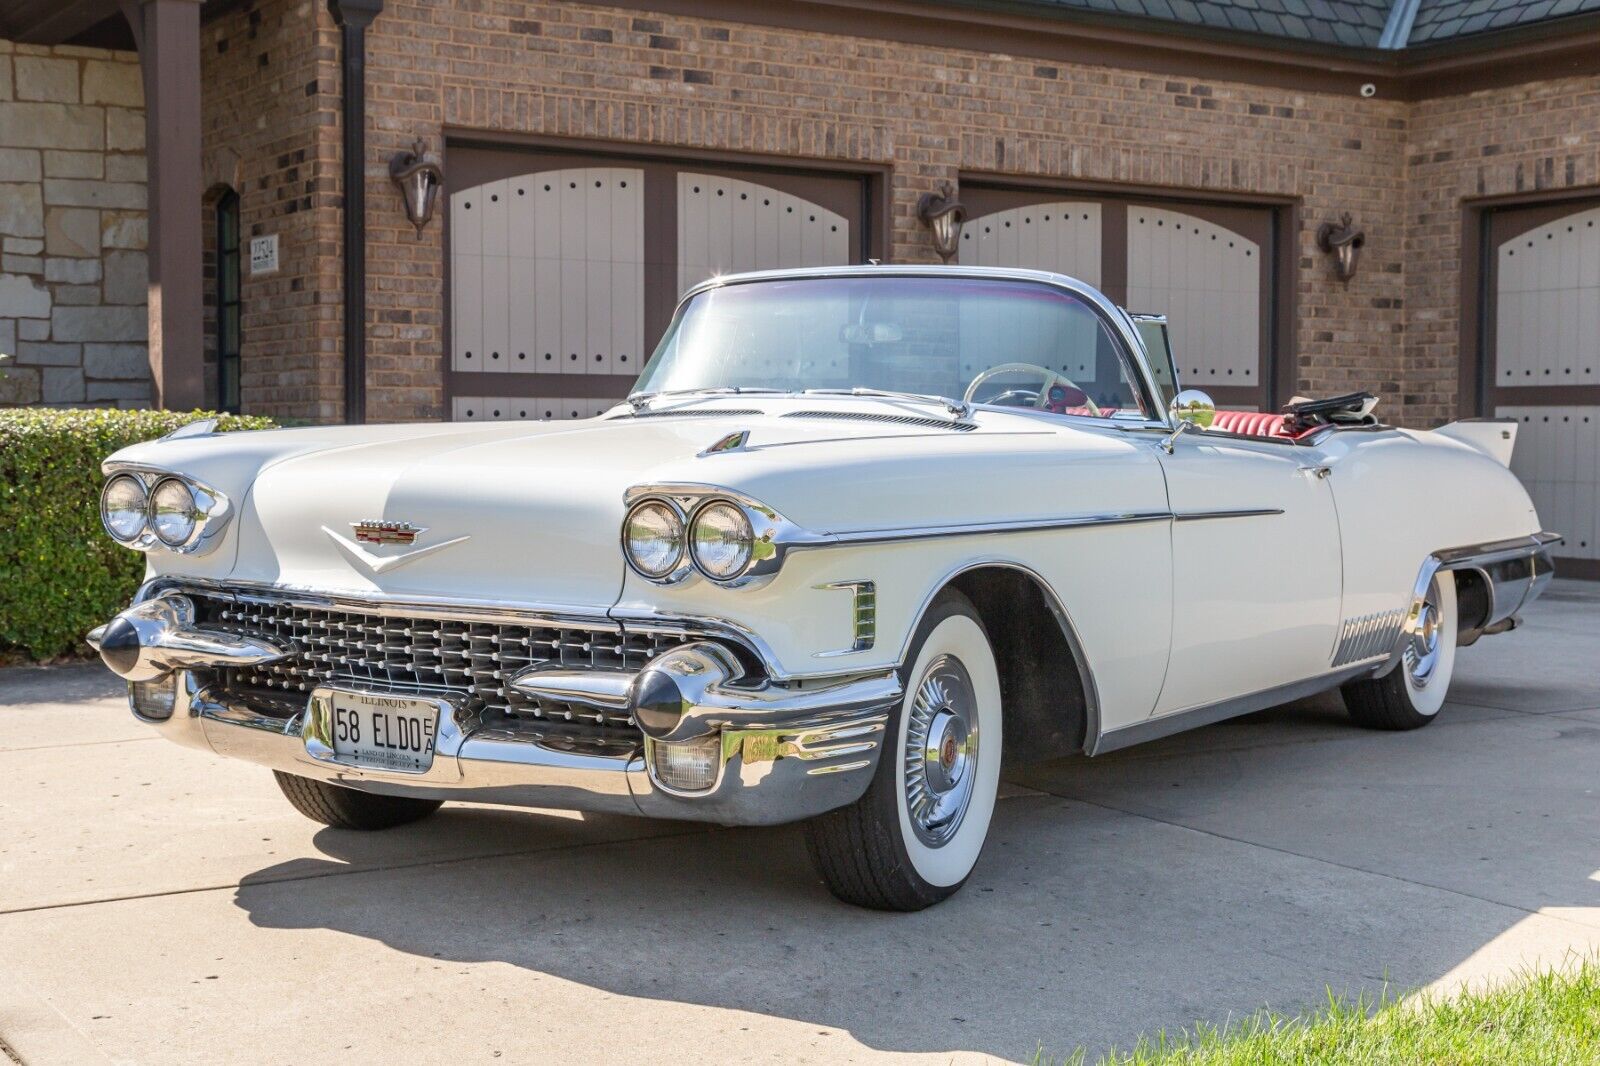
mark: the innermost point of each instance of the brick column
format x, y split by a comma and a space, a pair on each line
168, 34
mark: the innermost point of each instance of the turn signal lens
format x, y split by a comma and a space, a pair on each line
174, 513
721, 541
687, 767
652, 538
154, 699
122, 507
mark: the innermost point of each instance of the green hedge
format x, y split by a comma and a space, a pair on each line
60, 574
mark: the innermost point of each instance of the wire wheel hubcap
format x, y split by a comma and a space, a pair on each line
941, 759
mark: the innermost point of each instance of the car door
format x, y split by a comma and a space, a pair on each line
1256, 567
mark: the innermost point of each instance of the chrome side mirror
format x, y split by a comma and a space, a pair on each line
1190, 409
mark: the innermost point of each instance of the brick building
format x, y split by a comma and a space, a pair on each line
1181, 154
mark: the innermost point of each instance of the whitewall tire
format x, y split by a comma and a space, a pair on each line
914, 837
1412, 694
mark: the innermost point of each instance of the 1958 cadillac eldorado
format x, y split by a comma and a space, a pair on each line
861, 537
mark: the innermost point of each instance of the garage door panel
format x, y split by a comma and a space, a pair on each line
1061, 236
1208, 279
728, 225
466, 312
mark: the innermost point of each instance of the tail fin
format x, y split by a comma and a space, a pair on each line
1494, 437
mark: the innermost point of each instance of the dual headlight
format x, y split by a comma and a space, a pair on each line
663, 542
144, 511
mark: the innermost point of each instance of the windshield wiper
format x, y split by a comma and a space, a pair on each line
957, 408
639, 399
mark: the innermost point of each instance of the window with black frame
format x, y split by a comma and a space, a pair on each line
228, 306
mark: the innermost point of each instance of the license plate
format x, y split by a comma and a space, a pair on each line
383, 732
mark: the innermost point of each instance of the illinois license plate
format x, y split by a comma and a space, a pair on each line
383, 732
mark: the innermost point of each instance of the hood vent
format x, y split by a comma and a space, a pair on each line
898, 420
700, 412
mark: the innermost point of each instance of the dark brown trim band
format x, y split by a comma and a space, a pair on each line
353, 17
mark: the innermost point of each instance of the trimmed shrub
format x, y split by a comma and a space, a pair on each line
60, 573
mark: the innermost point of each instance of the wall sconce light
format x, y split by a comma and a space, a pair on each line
943, 214
1343, 242
419, 180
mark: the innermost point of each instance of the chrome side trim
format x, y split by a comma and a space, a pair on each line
1249, 512
1195, 717
1371, 636
888, 536
863, 615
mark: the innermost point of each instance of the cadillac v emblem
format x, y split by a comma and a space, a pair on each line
373, 531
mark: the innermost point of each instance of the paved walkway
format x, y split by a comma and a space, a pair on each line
161, 905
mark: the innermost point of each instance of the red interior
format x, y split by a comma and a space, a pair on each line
1251, 423
1244, 423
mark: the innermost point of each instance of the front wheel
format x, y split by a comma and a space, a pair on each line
913, 838
347, 808
1410, 695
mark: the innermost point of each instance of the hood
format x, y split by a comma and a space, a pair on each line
531, 513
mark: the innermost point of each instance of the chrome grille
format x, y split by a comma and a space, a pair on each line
410, 653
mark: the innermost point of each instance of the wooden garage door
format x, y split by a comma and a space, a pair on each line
1208, 268
1541, 338
565, 270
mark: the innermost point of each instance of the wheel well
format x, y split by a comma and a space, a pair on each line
1042, 691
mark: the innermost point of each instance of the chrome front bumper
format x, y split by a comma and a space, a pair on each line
782, 752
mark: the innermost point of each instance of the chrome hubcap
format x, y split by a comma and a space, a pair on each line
941, 762
1422, 650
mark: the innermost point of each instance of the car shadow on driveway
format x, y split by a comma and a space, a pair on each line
1236, 867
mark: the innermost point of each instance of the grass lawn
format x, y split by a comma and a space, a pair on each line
1544, 1018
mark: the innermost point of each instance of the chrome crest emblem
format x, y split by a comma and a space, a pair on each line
375, 531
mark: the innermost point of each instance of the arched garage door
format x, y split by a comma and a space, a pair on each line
1208, 268
1541, 341
564, 271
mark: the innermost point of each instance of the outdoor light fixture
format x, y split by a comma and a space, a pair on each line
943, 214
1343, 242
419, 180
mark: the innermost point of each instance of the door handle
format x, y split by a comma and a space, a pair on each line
1318, 472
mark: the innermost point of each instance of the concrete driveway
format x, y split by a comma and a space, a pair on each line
161, 905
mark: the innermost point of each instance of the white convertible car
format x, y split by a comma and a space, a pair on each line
861, 537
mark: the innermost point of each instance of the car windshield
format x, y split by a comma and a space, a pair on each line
1014, 343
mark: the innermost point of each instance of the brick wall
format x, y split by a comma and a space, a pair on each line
1527, 140
587, 71
270, 132
73, 275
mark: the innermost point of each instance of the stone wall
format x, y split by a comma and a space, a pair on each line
72, 227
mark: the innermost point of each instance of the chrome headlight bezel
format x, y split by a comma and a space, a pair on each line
143, 508
680, 565
744, 532
211, 510
771, 535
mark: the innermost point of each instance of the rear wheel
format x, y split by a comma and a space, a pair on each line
1410, 695
914, 837
346, 808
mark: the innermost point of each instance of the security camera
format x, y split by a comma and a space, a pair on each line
1369, 90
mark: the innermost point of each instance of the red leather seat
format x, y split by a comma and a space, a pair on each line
1252, 423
